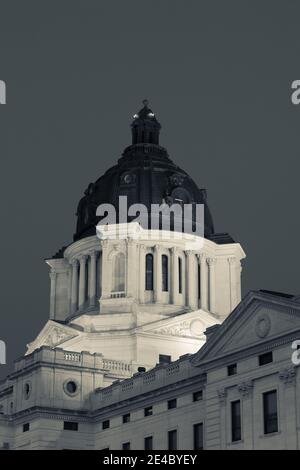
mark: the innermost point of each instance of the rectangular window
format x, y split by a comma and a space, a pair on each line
198, 436
164, 359
266, 358
148, 443
105, 424
197, 396
149, 271
126, 418
148, 411
26, 427
70, 426
236, 421
180, 275
232, 369
172, 440
270, 412
165, 273
126, 446
172, 404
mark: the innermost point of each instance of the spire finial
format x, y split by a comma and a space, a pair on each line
145, 103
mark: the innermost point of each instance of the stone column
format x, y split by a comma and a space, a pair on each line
203, 281
246, 392
232, 282
93, 277
106, 270
142, 276
157, 274
174, 276
82, 281
222, 395
131, 267
212, 284
192, 300
287, 406
53, 276
74, 291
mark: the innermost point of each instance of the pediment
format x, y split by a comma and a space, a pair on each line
53, 334
189, 325
257, 319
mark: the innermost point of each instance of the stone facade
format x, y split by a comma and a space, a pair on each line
197, 389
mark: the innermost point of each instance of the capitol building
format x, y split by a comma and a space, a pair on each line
149, 344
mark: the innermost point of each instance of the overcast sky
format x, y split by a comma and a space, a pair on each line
217, 74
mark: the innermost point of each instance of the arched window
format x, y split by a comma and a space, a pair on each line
149, 272
165, 273
119, 273
180, 275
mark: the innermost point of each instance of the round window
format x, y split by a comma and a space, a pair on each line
71, 387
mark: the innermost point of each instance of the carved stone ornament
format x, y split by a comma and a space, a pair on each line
57, 336
262, 325
181, 329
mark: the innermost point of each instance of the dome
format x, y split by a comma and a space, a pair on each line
145, 174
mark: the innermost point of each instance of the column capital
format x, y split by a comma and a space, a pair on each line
190, 252
211, 261
83, 258
245, 388
52, 275
201, 257
142, 247
74, 262
231, 260
158, 248
93, 253
222, 394
288, 375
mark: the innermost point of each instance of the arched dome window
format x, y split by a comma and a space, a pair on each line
149, 271
119, 273
165, 273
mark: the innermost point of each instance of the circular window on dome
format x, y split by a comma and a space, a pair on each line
128, 178
27, 390
71, 387
181, 196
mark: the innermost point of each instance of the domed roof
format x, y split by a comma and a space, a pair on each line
145, 174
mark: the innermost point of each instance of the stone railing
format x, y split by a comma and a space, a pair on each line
117, 295
75, 359
118, 367
139, 383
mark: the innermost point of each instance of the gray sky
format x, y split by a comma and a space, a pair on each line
217, 74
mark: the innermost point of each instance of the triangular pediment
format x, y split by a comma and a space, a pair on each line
53, 335
189, 325
258, 318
